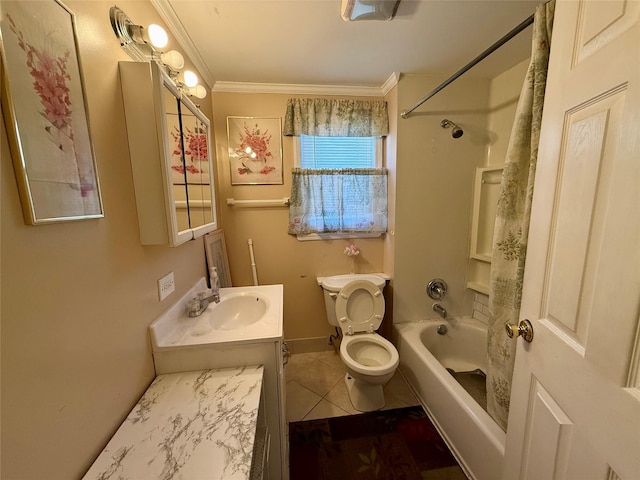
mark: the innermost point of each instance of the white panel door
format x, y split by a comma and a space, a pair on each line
575, 405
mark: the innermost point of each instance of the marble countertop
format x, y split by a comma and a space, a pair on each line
188, 425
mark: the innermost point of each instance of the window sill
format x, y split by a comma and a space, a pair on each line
335, 236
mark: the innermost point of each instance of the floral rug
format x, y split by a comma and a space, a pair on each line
399, 444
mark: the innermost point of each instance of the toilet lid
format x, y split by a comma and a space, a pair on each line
359, 307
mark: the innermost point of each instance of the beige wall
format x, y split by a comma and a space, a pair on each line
280, 258
77, 297
434, 192
504, 92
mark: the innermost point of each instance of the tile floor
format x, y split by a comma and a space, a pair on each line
316, 389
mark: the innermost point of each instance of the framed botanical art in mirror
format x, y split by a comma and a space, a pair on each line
216, 251
45, 112
255, 150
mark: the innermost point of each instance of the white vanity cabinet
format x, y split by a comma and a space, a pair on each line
179, 345
170, 147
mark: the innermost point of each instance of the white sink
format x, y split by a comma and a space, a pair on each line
244, 314
237, 310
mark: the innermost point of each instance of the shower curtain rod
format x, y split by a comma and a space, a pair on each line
472, 63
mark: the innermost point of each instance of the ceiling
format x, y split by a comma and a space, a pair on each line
306, 42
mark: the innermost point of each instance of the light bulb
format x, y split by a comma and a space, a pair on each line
254, 154
190, 78
173, 59
198, 91
157, 36
247, 150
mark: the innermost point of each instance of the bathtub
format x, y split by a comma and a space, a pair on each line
472, 435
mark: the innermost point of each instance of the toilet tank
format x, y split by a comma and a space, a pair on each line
332, 285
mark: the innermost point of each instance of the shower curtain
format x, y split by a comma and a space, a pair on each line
512, 219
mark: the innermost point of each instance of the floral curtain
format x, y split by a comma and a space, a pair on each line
332, 201
322, 117
512, 219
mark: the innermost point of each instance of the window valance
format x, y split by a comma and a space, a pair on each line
336, 118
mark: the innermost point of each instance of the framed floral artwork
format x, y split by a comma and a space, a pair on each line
46, 115
255, 150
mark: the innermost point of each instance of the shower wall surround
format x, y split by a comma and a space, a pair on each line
434, 185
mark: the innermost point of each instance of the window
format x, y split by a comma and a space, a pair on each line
338, 152
338, 184
339, 189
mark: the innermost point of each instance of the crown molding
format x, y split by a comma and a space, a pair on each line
301, 89
390, 82
296, 89
163, 7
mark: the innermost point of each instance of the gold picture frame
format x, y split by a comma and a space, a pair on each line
216, 252
45, 111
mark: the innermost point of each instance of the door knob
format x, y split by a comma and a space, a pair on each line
524, 329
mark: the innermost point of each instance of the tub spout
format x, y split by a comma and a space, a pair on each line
439, 309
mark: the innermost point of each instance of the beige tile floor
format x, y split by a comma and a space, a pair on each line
316, 388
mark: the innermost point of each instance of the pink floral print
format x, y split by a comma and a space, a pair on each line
254, 148
196, 149
50, 77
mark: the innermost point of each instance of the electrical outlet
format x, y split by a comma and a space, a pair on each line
166, 286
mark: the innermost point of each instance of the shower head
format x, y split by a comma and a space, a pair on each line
456, 131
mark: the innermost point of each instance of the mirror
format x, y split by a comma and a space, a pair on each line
197, 167
174, 150
180, 138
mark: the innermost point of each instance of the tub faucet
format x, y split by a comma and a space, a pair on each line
198, 304
439, 309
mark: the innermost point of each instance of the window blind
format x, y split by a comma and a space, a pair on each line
337, 152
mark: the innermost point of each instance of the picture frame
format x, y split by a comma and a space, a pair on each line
46, 115
216, 253
255, 150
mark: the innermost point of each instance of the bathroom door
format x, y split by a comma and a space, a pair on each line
575, 405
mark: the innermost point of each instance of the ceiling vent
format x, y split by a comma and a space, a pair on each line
368, 9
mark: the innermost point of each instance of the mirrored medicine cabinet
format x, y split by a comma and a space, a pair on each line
170, 148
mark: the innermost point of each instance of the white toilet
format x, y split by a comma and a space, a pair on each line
355, 304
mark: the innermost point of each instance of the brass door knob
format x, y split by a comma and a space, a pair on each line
524, 329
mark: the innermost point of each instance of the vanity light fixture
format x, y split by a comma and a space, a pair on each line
144, 44
139, 42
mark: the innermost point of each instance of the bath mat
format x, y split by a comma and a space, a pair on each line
399, 444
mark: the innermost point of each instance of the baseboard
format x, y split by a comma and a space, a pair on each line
308, 345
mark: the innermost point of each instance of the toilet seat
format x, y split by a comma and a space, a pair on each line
383, 367
359, 307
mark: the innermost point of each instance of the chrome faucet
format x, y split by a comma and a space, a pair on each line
198, 304
439, 309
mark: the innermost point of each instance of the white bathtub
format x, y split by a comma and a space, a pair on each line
475, 439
